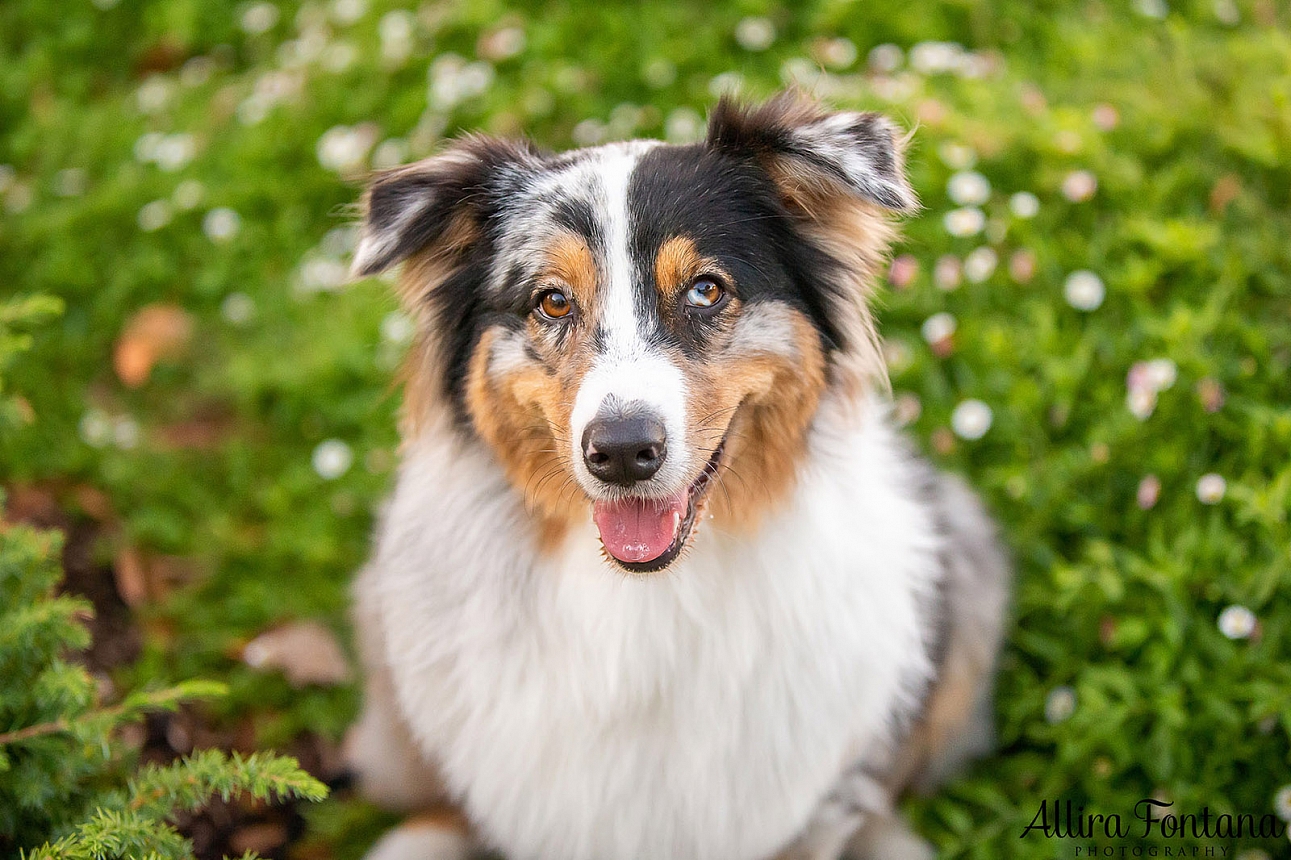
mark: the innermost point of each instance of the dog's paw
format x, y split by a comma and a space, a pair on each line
422, 839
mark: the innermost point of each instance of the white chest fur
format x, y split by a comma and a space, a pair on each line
583, 715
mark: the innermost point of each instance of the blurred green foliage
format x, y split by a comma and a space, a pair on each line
201, 157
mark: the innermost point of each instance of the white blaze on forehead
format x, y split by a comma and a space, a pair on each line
630, 368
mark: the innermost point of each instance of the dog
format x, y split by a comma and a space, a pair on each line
659, 580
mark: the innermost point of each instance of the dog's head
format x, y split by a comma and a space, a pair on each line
641, 329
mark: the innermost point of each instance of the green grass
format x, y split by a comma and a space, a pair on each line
1184, 121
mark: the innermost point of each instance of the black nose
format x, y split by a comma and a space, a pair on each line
624, 449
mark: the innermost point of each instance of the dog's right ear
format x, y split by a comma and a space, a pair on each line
409, 208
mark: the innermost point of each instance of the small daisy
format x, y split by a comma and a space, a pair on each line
885, 58
938, 328
980, 264
1149, 492
968, 188
155, 215
947, 272
1282, 803
1024, 204
971, 419
1059, 704
221, 224
755, 33
1211, 488
1237, 622
1022, 265
396, 328
1084, 290
332, 459
965, 221
1079, 185
238, 309
903, 271
259, 18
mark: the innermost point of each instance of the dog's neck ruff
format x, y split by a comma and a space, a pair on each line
583, 714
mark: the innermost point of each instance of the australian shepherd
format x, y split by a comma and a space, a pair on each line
659, 579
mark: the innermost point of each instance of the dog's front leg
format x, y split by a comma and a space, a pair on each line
856, 798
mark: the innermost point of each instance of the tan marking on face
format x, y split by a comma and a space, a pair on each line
522, 411
763, 403
570, 262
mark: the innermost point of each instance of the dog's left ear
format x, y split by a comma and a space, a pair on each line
813, 154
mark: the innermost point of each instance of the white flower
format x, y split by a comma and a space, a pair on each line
1141, 402
1282, 803
1105, 117
396, 328
322, 275
935, 58
971, 419
174, 152
396, 31
1226, 12
938, 327
1237, 622
755, 33
346, 12
683, 125
155, 215
1155, 9
968, 188
145, 148
885, 58
659, 73
188, 194
727, 83
800, 72
391, 153
1024, 204
453, 81
589, 132
1084, 290
1211, 488
957, 156
980, 264
259, 18
966, 221
343, 148
339, 56
221, 224
838, 53
238, 309
332, 458
125, 433
1149, 492
947, 272
502, 44
1079, 185
907, 409
1059, 704
153, 94
7, 175
95, 428
196, 71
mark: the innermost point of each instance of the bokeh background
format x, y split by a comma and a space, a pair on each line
1091, 319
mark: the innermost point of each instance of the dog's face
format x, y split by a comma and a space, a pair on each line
640, 329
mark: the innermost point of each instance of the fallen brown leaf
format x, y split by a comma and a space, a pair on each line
153, 333
306, 652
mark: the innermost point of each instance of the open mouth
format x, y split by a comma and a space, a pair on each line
647, 535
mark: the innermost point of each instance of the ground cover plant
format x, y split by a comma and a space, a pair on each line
1091, 319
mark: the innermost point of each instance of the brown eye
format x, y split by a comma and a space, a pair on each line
705, 294
553, 304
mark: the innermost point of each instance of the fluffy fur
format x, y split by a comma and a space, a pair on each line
821, 631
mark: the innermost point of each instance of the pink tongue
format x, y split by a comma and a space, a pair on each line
638, 530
